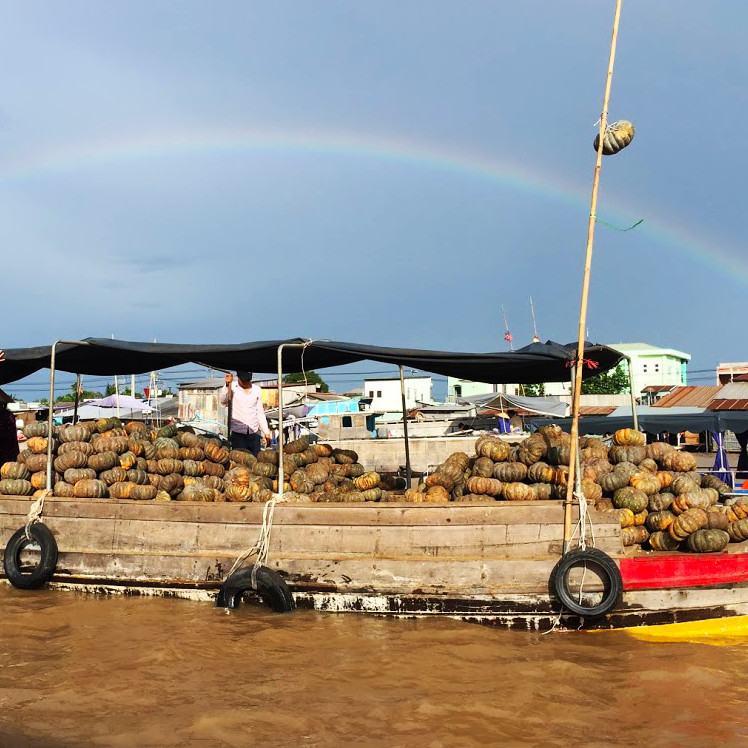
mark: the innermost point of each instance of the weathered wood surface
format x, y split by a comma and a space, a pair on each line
391, 548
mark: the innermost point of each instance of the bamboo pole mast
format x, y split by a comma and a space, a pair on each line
579, 364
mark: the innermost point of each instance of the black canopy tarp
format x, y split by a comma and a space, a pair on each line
718, 421
535, 363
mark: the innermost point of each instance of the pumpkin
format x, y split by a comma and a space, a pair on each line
707, 541
190, 453
634, 535
196, 492
616, 137
342, 456
531, 450
172, 484
658, 451
624, 516
301, 444
139, 477
716, 520
241, 457
552, 433
264, 468
73, 475
591, 490
16, 487
452, 470
213, 468
122, 490
301, 483
134, 427
115, 475
483, 467
90, 489
116, 444
640, 518
631, 498
540, 472
682, 484
354, 470
712, 481
645, 482
127, 460
322, 450
476, 498
665, 478
659, 520
37, 428
509, 472
372, 494
73, 433
190, 467
663, 541
103, 461
543, 491
39, 480
459, 459
489, 486
648, 464
495, 449
236, 492
629, 438
162, 496
738, 531
167, 466
168, 453
519, 491
69, 460
594, 453
439, 494
680, 462
15, 470
691, 520
38, 444
269, 455
34, 463
214, 482
660, 501
168, 431
143, 492
620, 453
62, 490
612, 481
371, 480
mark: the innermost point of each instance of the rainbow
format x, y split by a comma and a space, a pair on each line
713, 251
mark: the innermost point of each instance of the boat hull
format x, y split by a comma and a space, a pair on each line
488, 563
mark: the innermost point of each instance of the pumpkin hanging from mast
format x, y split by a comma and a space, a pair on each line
617, 136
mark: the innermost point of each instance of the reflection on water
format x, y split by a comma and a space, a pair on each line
121, 671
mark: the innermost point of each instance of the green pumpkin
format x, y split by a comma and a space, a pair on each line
631, 498
707, 541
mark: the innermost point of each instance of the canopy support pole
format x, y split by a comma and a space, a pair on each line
405, 429
77, 397
634, 414
579, 363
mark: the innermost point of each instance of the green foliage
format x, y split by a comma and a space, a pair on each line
308, 377
534, 390
613, 382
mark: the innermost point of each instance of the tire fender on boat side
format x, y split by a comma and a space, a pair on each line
271, 588
603, 566
42, 536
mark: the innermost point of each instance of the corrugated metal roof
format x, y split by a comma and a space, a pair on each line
596, 410
733, 391
659, 388
729, 404
690, 395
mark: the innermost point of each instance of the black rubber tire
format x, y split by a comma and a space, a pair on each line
271, 588
603, 565
43, 572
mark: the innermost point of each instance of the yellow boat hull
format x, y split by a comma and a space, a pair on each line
718, 630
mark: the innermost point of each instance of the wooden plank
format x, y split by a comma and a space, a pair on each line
546, 512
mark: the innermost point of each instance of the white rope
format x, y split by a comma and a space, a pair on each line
35, 512
262, 547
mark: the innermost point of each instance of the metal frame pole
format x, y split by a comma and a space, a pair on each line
634, 414
405, 429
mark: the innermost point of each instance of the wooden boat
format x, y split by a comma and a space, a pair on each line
487, 563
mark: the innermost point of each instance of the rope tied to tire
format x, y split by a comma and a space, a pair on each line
262, 546
35, 512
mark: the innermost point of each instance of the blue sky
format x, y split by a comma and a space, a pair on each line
387, 173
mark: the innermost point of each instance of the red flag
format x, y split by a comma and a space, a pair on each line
508, 336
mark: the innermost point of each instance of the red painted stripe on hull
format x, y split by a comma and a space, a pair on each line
683, 570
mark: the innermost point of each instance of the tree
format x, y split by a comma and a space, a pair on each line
535, 390
614, 382
308, 377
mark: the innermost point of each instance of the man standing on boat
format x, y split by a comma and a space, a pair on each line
248, 423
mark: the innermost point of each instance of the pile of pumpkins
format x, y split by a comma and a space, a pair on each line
106, 459
653, 490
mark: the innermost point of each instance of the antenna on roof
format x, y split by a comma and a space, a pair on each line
535, 336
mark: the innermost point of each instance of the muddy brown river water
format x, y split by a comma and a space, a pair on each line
79, 670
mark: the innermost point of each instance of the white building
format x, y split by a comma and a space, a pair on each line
652, 366
385, 393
